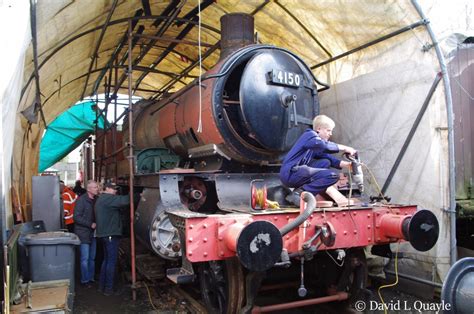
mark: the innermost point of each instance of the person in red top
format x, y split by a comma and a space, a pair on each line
69, 202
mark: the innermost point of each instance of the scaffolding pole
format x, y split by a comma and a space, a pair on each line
130, 161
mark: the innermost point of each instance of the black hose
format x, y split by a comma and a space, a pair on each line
310, 206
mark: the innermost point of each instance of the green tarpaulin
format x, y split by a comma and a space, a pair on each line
67, 132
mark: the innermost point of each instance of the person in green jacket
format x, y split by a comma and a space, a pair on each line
108, 209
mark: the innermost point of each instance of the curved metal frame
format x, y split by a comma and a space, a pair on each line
449, 110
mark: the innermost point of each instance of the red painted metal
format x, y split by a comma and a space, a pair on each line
391, 225
232, 234
340, 296
214, 237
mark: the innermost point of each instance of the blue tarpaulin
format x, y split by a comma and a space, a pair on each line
67, 132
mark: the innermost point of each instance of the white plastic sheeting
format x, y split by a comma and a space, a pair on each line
375, 112
11, 80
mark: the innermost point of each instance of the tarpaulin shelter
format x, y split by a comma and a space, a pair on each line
381, 59
67, 132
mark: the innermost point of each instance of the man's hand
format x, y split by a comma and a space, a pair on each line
93, 225
347, 149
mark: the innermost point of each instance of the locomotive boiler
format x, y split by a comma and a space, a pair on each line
207, 159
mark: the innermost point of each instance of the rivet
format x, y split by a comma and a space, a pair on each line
190, 253
345, 232
235, 220
355, 231
355, 213
221, 253
369, 239
191, 226
221, 223
205, 239
378, 214
205, 254
368, 215
334, 214
190, 239
204, 226
344, 214
220, 238
288, 217
287, 237
275, 218
309, 216
378, 239
368, 226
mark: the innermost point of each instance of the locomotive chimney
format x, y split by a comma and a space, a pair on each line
236, 32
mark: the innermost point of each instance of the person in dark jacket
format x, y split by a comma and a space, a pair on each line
109, 231
84, 226
78, 189
306, 166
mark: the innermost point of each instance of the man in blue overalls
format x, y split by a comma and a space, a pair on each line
306, 166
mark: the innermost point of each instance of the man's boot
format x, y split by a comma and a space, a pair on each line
295, 196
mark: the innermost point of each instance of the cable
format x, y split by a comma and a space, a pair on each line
392, 284
149, 297
199, 129
375, 182
340, 265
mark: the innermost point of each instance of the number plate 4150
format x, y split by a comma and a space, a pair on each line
286, 78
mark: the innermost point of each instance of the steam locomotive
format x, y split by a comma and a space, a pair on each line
207, 159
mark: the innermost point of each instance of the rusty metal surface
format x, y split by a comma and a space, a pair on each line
147, 126
237, 31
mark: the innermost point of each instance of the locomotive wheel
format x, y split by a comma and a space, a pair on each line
354, 276
222, 286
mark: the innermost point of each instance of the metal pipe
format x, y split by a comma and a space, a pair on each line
114, 56
163, 55
411, 133
115, 22
115, 128
112, 124
310, 206
371, 43
413, 278
104, 142
35, 60
170, 84
99, 41
130, 162
114, 153
172, 40
172, 8
340, 296
279, 286
450, 118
